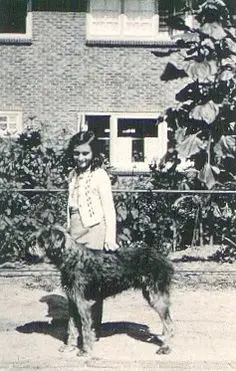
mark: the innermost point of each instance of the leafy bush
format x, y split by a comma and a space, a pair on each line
33, 184
144, 216
26, 163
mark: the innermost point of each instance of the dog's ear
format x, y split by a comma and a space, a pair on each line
58, 238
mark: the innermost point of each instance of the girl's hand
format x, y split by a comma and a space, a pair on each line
111, 246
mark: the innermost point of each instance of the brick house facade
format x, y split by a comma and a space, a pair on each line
52, 74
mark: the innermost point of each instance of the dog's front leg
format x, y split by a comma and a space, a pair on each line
87, 331
73, 328
72, 333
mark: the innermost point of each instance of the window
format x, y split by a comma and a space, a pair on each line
129, 141
142, 20
15, 19
101, 126
10, 122
138, 131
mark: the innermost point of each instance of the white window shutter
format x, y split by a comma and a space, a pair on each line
140, 19
103, 25
104, 19
140, 26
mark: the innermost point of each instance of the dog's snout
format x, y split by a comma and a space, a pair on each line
36, 251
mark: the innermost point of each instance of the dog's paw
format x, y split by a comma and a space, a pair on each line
67, 348
83, 353
165, 349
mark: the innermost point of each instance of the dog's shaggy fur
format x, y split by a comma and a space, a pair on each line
89, 276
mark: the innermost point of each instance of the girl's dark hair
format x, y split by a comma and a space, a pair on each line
85, 137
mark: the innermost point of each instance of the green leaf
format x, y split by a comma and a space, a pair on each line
8, 220
231, 45
206, 176
226, 146
216, 210
202, 70
226, 75
227, 212
180, 134
215, 169
122, 211
206, 112
189, 146
134, 213
214, 30
8, 211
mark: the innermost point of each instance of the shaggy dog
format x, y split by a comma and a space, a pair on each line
89, 276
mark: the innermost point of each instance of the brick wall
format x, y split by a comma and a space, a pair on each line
58, 75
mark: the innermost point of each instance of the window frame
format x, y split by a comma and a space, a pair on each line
156, 36
19, 123
161, 139
11, 37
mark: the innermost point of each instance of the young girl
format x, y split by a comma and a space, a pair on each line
91, 211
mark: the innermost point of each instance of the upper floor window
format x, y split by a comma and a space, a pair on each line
10, 122
142, 20
15, 19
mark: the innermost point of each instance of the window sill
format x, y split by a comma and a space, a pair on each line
135, 43
130, 172
140, 168
15, 39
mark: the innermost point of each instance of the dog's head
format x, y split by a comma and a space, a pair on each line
51, 242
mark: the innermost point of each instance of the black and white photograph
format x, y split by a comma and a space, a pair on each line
118, 185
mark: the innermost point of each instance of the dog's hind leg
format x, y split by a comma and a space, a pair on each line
159, 301
97, 310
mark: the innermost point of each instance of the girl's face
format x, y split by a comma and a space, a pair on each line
82, 155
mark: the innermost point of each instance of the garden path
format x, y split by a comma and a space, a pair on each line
204, 318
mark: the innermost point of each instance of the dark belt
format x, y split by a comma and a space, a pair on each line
73, 211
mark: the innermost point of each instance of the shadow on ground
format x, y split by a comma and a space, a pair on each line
57, 326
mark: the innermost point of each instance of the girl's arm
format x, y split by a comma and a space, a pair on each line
105, 192
71, 180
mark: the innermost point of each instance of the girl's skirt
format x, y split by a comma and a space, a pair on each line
93, 237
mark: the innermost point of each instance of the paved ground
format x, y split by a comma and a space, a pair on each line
205, 331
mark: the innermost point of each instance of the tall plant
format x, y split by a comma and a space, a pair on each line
202, 123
